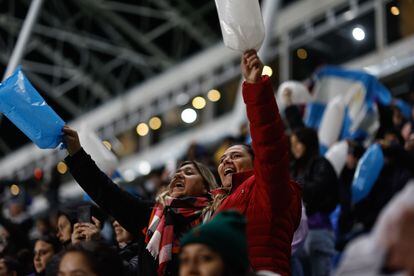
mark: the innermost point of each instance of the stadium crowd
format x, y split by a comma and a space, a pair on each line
264, 203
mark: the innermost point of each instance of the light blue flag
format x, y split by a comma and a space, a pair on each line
359, 90
22, 104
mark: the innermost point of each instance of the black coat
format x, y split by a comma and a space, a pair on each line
131, 212
397, 171
130, 257
320, 186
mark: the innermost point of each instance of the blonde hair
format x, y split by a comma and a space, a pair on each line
210, 182
215, 203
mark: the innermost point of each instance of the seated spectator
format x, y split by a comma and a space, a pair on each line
346, 220
66, 219
44, 250
68, 223
128, 246
10, 267
320, 196
397, 170
13, 237
90, 258
16, 212
42, 228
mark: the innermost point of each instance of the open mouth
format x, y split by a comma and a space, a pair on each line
179, 185
228, 171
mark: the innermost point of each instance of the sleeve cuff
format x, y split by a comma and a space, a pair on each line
76, 158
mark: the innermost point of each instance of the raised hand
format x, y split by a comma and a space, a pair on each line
86, 231
72, 140
251, 67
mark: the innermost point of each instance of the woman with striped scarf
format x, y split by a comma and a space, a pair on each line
160, 224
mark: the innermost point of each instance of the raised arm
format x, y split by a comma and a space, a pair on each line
271, 164
132, 213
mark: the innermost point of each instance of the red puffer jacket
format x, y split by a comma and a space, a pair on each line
266, 195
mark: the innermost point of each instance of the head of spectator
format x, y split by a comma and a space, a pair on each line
196, 152
355, 152
122, 236
392, 137
304, 144
397, 117
44, 249
43, 226
409, 143
90, 258
236, 159
218, 247
66, 220
16, 208
191, 179
10, 267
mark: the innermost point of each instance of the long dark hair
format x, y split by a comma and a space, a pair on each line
309, 138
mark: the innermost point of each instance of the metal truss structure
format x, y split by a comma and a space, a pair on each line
83, 53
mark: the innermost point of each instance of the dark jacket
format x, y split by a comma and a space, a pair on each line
132, 213
315, 173
18, 238
320, 187
397, 170
130, 258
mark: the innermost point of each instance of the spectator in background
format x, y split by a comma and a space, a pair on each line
388, 249
67, 218
346, 220
408, 128
10, 267
42, 228
397, 170
197, 152
13, 236
155, 183
409, 144
398, 119
90, 258
128, 247
44, 250
16, 212
320, 196
292, 113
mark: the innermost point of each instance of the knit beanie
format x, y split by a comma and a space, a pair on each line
225, 234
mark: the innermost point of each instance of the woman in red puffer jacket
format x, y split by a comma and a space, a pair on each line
256, 181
